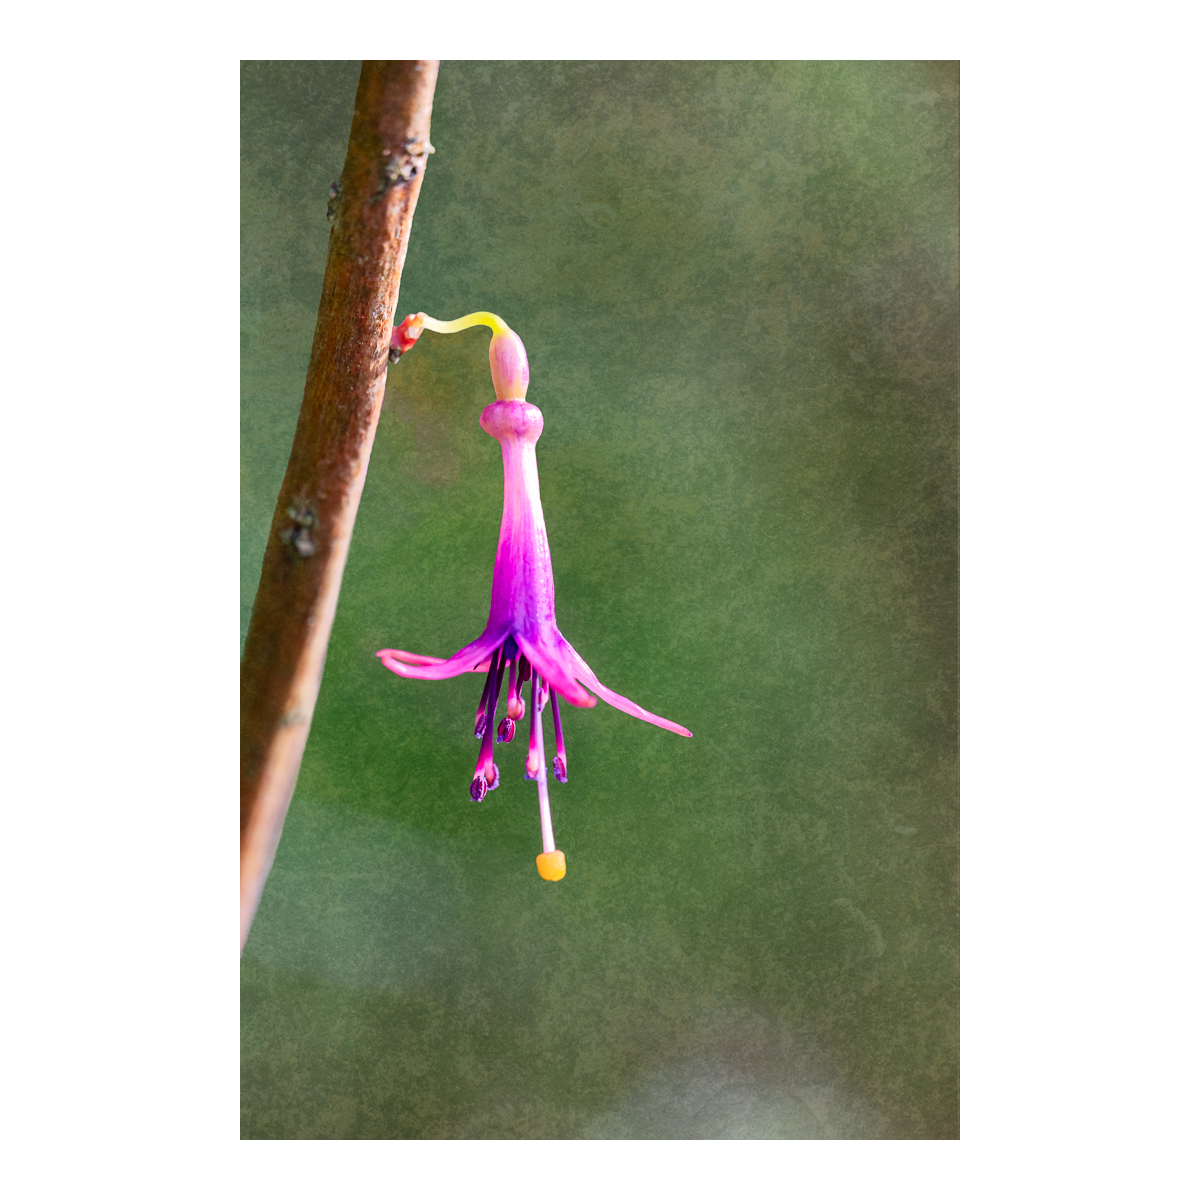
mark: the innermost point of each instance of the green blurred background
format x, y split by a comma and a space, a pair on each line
737, 283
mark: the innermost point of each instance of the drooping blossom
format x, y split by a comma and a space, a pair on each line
521, 636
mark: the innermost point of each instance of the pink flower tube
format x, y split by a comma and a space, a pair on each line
521, 634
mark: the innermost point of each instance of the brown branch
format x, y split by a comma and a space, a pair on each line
314, 516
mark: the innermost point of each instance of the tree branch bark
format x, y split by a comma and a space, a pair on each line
314, 516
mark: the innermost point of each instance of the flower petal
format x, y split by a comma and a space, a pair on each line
424, 660
550, 657
472, 657
588, 676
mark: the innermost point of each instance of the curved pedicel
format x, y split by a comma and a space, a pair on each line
521, 635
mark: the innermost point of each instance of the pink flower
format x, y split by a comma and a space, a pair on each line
521, 636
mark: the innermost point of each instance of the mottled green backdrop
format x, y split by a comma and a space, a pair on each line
737, 283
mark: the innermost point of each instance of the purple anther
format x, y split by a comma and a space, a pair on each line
506, 730
479, 788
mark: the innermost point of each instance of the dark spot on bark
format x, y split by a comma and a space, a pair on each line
299, 535
400, 167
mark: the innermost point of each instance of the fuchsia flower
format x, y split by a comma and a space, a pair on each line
521, 636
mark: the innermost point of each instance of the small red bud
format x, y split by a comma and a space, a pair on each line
404, 335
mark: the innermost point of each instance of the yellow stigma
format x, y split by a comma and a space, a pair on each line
552, 866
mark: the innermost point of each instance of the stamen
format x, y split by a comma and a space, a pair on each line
507, 728
481, 711
532, 759
560, 749
516, 677
487, 777
551, 863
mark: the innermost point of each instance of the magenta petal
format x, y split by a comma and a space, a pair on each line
622, 702
401, 662
423, 660
556, 666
